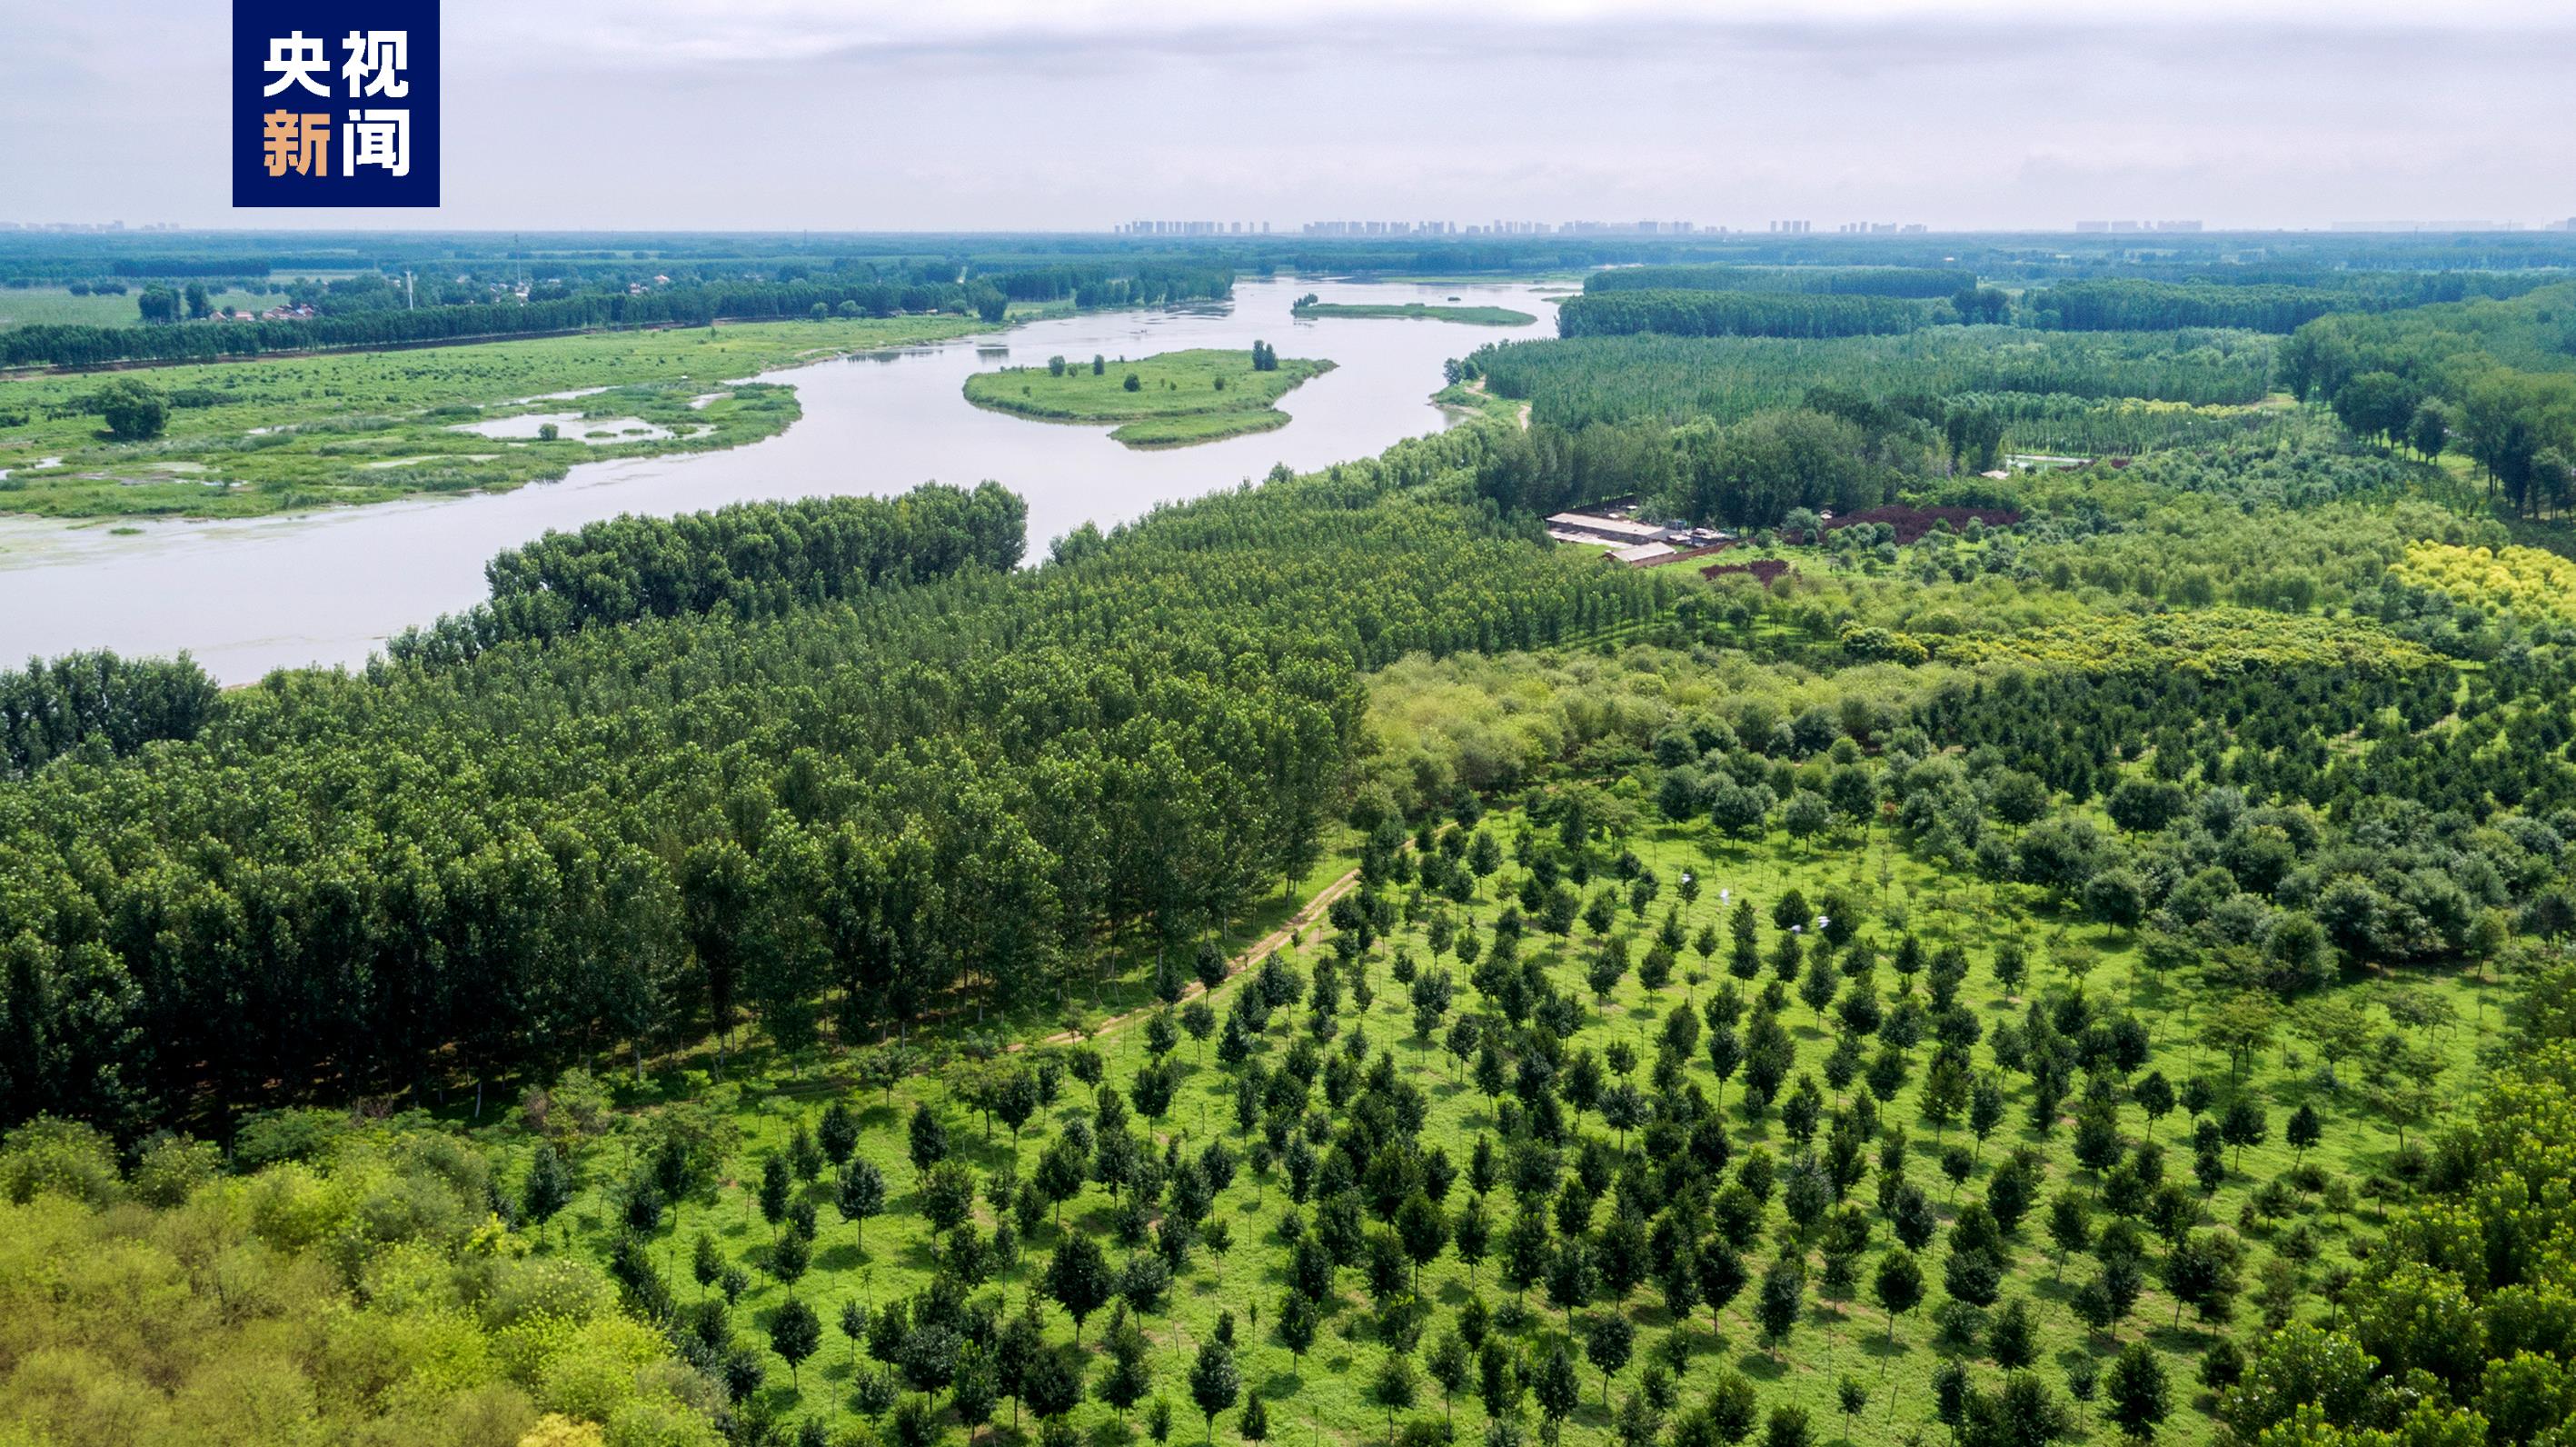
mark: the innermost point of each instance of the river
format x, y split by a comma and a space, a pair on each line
247, 596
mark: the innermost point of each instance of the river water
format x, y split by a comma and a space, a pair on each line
247, 596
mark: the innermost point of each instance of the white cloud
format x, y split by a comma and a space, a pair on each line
679, 31
1074, 113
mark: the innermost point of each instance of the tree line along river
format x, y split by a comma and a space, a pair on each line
248, 596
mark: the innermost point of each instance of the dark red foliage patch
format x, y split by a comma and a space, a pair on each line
1762, 569
1911, 523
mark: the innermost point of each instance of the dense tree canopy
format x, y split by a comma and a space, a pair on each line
884, 796
1735, 314
750, 560
1921, 283
51, 707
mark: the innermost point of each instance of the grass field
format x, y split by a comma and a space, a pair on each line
288, 433
1481, 316
2269, 1202
53, 306
1179, 398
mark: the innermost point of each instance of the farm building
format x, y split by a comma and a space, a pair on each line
1602, 528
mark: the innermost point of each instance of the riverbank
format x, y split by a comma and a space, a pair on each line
327, 584
1471, 399
294, 433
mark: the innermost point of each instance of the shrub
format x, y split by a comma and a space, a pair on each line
64, 1157
133, 412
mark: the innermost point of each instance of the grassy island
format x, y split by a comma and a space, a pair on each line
1171, 400
1474, 316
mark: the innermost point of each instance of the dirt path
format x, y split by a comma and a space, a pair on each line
1478, 387
1279, 938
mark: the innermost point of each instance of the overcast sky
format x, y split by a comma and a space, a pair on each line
1074, 114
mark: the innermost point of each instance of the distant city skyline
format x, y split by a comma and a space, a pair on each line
989, 115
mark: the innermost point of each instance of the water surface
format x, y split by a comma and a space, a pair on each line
245, 596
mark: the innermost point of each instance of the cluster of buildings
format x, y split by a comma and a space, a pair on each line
86, 227
1192, 228
1631, 539
1630, 228
1503, 228
2126, 226
1381, 228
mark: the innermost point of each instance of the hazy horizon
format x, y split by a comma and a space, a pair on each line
785, 115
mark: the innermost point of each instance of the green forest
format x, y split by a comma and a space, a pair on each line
1323, 963
1900, 281
1734, 314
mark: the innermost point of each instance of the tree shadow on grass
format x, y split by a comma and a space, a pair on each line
1279, 1386
1761, 1366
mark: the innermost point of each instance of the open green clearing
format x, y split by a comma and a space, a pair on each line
279, 434
1481, 316
1170, 400
1471, 397
53, 305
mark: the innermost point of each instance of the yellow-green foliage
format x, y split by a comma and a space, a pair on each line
370, 1299
2532, 585
2478, 1266
1492, 721
2165, 551
1497, 721
1817, 605
2191, 552
2118, 598
2209, 641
